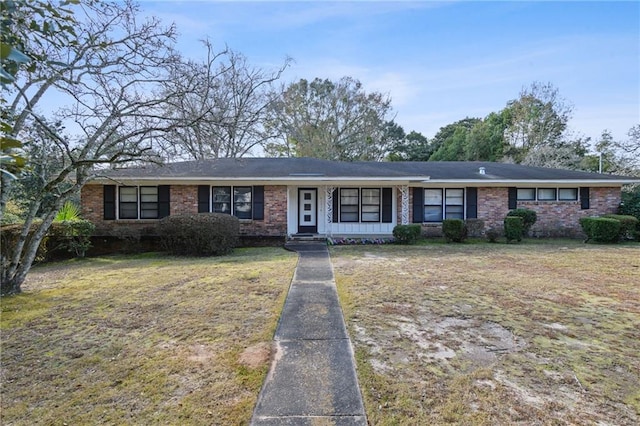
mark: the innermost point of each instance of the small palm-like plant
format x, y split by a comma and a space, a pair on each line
68, 212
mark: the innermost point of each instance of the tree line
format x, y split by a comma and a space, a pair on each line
127, 96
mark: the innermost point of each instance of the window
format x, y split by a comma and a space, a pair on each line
242, 202
433, 205
568, 194
454, 204
349, 204
148, 202
128, 202
526, 194
442, 204
140, 202
221, 199
546, 194
370, 204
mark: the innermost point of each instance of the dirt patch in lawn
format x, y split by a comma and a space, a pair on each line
148, 339
538, 333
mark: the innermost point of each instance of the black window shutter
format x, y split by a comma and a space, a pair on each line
336, 202
387, 205
163, 201
109, 202
258, 203
584, 198
513, 198
472, 203
204, 192
418, 205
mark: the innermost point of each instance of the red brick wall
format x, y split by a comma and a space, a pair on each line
92, 203
493, 206
184, 200
555, 219
275, 215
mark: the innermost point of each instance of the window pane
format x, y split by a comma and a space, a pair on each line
128, 210
221, 194
371, 213
242, 194
370, 196
349, 196
128, 206
349, 213
454, 212
222, 208
348, 217
221, 199
568, 194
129, 194
149, 213
242, 202
455, 196
433, 213
149, 190
525, 194
432, 197
371, 217
546, 194
243, 210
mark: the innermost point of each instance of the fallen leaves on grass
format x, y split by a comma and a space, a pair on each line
544, 333
141, 340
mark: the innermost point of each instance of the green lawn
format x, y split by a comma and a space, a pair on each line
533, 333
145, 339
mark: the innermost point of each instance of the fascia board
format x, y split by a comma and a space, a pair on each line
411, 181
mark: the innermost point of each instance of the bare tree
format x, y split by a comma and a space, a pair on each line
331, 120
630, 151
231, 97
538, 117
109, 80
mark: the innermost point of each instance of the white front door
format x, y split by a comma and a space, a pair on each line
308, 210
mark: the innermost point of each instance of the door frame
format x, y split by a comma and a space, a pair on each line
308, 229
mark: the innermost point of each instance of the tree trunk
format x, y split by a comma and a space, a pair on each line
9, 287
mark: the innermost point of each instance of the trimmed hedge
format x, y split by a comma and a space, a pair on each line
407, 234
601, 229
513, 228
628, 225
529, 217
454, 230
73, 236
202, 234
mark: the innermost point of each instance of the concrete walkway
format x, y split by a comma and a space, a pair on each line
312, 379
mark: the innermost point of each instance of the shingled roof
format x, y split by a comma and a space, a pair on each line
316, 169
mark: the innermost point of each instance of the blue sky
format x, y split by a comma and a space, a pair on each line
438, 61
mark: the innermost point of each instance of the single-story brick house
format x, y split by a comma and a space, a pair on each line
281, 197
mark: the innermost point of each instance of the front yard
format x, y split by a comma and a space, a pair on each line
535, 333
148, 339
532, 333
